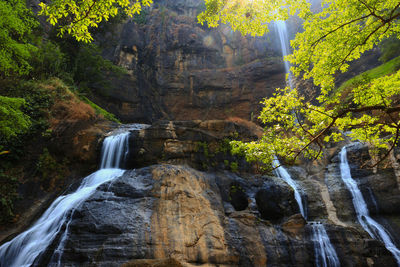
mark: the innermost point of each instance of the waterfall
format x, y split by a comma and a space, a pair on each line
374, 229
283, 173
325, 254
285, 47
24, 249
111, 150
324, 251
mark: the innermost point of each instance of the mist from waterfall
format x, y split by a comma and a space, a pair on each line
285, 47
25, 248
374, 229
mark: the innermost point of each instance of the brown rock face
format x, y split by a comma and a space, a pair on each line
202, 145
174, 214
294, 225
181, 70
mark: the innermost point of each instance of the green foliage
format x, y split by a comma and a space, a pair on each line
50, 170
90, 68
12, 119
8, 194
250, 17
390, 48
202, 147
224, 147
16, 24
382, 70
49, 61
141, 18
38, 103
340, 32
234, 166
77, 17
99, 110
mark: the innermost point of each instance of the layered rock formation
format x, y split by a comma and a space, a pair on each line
179, 69
174, 212
174, 215
201, 144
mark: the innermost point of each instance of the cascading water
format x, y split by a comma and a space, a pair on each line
285, 48
283, 173
374, 229
325, 253
27, 246
112, 146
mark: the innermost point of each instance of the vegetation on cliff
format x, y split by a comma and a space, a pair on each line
333, 37
45, 82
77, 17
34, 57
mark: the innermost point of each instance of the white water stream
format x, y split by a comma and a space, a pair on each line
374, 229
281, 172
27, 246
324, 251
285, 47
325, 254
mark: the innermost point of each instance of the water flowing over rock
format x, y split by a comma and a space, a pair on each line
24, 249
175, 215
285, 48
167, 211
324, 251
282, 173
374, 229
325, 254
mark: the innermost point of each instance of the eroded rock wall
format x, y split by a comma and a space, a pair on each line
179, 69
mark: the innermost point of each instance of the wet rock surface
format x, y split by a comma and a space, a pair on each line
379, 189
166, 212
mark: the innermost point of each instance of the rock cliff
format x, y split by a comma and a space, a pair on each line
166, 212
181, 70
176, 215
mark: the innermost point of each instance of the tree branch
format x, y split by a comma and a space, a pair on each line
390, 150
342, 114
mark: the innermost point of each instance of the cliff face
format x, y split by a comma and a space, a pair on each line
179, 69
184, 199
171, 214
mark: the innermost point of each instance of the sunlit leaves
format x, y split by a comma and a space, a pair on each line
12, 120
333, 37
77, 17
339, 34
16, 24
250, 16
294, 127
